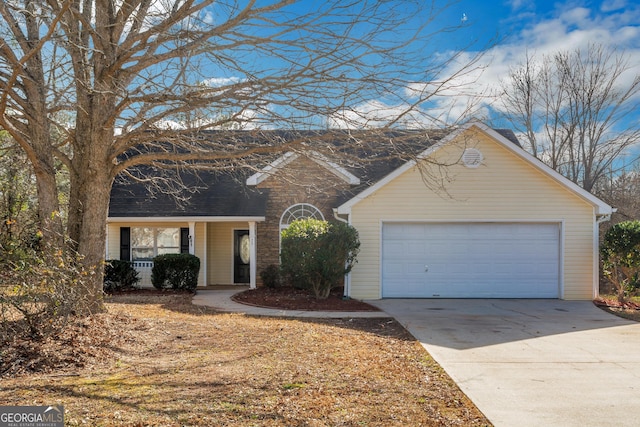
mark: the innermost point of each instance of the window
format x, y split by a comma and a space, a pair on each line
147, 242
299, 211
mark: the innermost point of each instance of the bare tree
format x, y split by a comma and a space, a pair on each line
622, 190
128, 76
574, 111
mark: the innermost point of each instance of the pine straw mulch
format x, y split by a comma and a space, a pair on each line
290, 298
628, 310
160, 361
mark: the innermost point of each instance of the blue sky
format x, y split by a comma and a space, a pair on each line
545, 27
506, 31
548, 25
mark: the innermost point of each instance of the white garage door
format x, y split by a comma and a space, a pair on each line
470, 260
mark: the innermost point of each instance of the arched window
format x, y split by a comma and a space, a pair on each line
299, 211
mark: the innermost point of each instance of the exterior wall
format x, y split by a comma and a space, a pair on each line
220, 251
113, 241
113, 234
302, 181
504, 188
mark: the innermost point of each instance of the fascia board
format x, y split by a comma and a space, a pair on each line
336, 169
345, 208
289, 157
602, 208
271, 168
147, 219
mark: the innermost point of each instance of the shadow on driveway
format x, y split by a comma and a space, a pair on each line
470, 323
532, 362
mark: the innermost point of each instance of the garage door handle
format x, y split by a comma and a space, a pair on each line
426, 268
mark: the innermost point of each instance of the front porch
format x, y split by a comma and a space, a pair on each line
226, 246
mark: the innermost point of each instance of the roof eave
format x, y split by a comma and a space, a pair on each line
193, 218
601, 208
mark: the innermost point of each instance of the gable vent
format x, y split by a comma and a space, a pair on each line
472, 158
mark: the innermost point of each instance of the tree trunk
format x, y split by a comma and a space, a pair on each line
90, 195
91, 181
48, 203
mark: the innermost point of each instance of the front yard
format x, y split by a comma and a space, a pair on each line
159, 361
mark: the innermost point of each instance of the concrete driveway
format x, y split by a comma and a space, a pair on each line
532, 362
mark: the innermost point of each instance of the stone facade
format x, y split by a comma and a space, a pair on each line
301, 181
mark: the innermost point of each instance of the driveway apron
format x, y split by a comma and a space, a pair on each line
532, 362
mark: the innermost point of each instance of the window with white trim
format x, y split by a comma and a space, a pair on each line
299, 211
147, 242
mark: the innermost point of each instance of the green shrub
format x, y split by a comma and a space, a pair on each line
119, 275
271, 276
620, 252
317, 254
299, 244
176, 271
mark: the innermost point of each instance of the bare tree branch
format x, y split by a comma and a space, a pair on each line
573, 109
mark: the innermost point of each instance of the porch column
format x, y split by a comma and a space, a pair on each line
205, 256
252, 255
106, 243
192, 238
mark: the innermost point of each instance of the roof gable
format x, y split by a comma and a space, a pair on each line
289, 157
497, 136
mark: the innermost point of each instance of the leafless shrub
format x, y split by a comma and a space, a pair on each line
41, 292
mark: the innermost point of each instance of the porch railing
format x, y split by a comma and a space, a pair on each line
144, 272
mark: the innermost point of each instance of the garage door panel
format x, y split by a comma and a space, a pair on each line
467, 260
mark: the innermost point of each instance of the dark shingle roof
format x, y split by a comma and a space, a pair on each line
205, 194
226, 193
508, 133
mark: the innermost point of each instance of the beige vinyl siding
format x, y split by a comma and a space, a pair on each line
113, 233
113, 239
220, 253
504, 188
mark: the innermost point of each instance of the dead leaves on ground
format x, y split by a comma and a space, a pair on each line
175, 364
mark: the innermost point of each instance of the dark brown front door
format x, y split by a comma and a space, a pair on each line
241, 259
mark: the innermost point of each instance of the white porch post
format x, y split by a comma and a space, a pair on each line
205, 261
192, 238
106, 243
252, 255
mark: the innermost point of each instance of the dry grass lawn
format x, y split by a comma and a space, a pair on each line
159, 361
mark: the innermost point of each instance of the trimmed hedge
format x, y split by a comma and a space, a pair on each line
317, 254
175, 271
119, 275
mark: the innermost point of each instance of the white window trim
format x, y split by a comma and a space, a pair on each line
311, 208
155, 242
282, 226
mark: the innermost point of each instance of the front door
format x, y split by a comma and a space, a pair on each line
241, 256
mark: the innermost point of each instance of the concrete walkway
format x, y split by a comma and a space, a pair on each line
532, 362
220, 299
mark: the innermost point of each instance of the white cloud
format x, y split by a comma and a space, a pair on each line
517, 4
222, 81
373, 114
610, 6
567, 30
